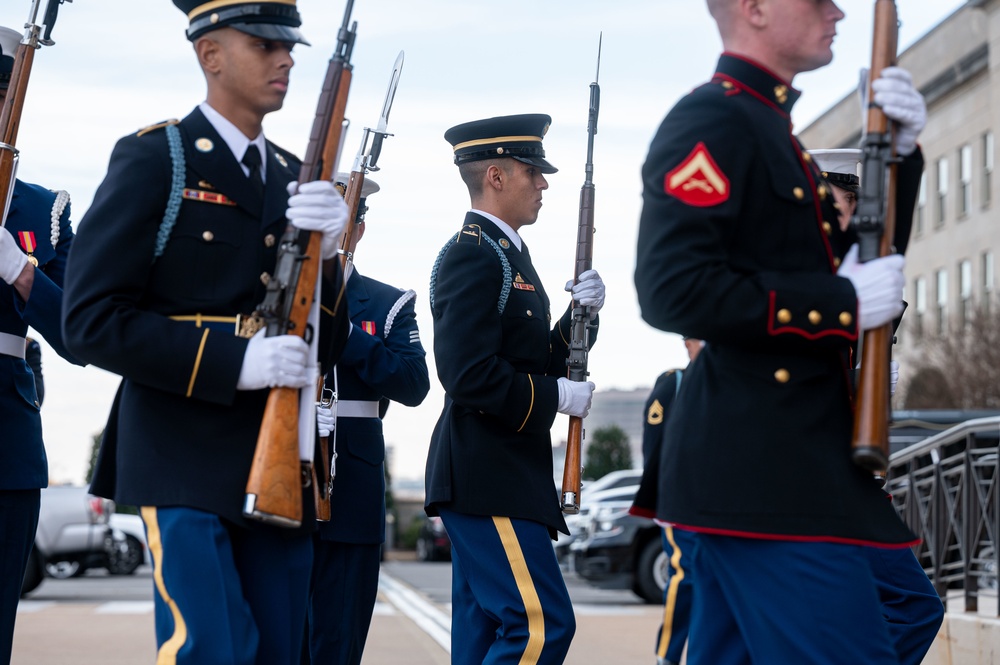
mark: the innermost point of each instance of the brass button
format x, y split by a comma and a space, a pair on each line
846, 319
784, 316
806, 156
827, 229
815, 317
782, 376
798, 193
528, 312
822, 191
265, 278
836, 262
727, 85
214, 18
269, 240
208, 236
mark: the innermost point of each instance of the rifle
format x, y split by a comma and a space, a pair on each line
363, 163
579, 345
274, 486
13, 106
875, 221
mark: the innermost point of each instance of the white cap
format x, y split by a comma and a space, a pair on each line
368, 187
846, 161
9, 39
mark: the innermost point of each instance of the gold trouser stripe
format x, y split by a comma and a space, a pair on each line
197, 362
531, 405
522, 576
671, 602
220, 4
167, 653
497, 139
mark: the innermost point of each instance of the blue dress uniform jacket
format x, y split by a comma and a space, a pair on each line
179, 433
383, 360
739, 245
22, 455
657, 409
490, 452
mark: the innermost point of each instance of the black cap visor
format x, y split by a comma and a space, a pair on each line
272, 31
540, 162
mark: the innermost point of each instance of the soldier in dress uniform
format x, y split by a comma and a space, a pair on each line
912, 609
503, 367
739, 245
677, 544
171, 258
33, 246
382, 361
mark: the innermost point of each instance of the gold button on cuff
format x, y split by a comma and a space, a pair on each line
815, 317
782, 376
208, 236
784, 316
798, 193
827, 229
846, 319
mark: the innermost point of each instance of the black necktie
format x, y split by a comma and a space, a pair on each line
251, 159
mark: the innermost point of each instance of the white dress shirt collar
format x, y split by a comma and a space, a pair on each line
508, 231
235, 139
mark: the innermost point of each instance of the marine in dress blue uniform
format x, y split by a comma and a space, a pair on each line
678, 545
34, 242
382, 361
172, 256
911, 607
738, 245
503, 367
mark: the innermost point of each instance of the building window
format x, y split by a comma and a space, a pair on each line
942, 301
987, 282
964, 180
965, 291
987, 168
920, 295
921, 205
942, 190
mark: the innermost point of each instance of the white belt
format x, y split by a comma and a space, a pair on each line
12, 345
353, 408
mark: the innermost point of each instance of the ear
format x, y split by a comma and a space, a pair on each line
209, 54
494, 177
754, 12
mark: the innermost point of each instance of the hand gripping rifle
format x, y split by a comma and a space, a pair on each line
10, 115
363, 163
274, 487
579, 345
875, 221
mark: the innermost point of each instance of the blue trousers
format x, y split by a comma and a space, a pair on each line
911, 607
341, 601
763, 601
678, 545
509, 601
224, 594
18, 521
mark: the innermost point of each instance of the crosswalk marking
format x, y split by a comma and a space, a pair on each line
126, 607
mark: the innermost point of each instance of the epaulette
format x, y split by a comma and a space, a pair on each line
470, 231
159, 125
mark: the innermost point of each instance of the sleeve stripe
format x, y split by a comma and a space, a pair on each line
531, 405
197, 362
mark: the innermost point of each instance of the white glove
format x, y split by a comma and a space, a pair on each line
893, 377
575, 397
278, 361
12, 259
588, 291
324, 420
879, 287
895, 93
317, 206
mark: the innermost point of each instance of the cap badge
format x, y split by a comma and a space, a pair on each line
698, 180
204, 144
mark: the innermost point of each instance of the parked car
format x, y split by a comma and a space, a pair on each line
621, 551
433, 543
592, 492
73, 535
128, 544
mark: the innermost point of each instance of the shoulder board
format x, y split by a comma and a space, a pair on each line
470, 232
159, 125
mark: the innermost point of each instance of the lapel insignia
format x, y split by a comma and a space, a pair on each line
698, 180
781, 93
204, 144
655, 414
368, 327
519, 283
207, 197
281, 159
504, 243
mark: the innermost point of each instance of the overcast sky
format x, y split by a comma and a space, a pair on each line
119, 65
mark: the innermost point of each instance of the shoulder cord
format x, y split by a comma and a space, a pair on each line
504, 290
58, 207
176, 190
403, 299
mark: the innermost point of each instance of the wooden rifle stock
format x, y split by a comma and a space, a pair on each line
870, 441
579, 345
274, 486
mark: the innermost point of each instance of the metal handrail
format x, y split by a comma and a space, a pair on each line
946, 489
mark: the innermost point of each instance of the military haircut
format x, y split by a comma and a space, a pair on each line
473, 173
